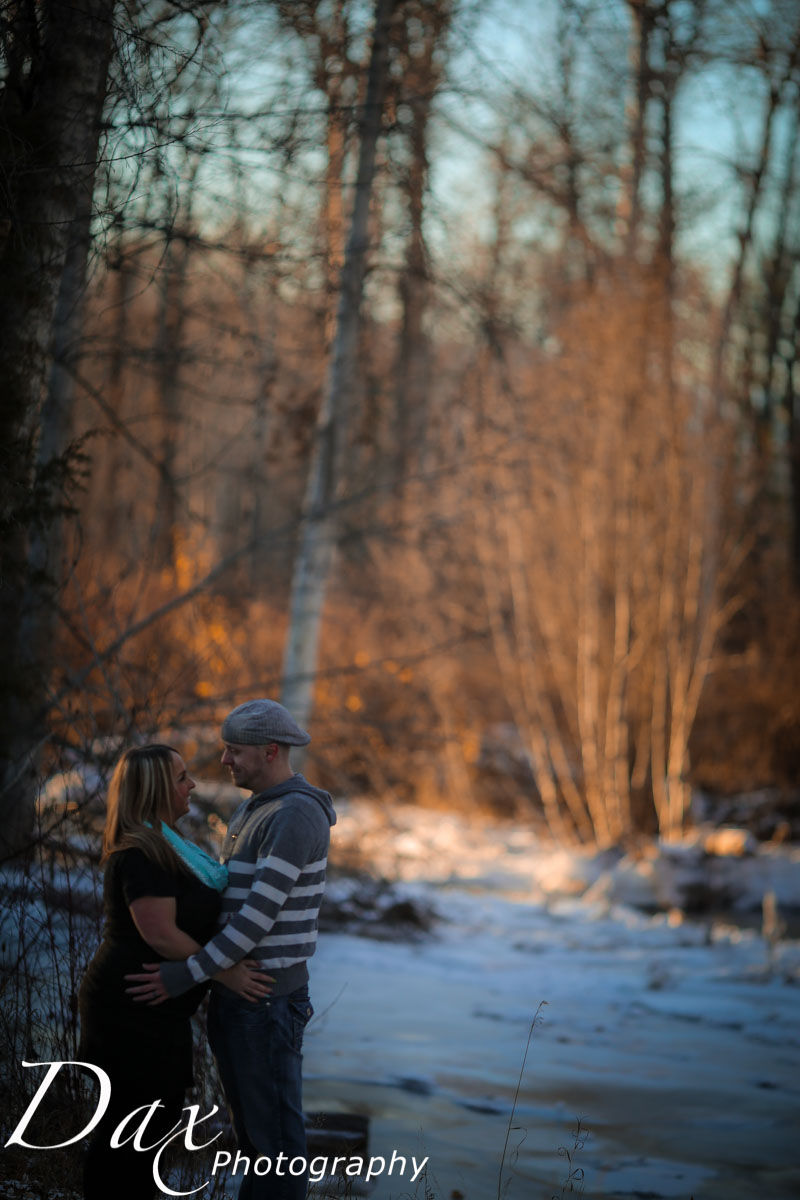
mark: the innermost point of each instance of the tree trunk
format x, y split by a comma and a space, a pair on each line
745, 237
170, 354
412, 356
792, 410
630, 199
50, 122
112, 505
320, 524
333, 48
421, 79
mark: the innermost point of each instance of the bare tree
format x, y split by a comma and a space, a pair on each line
318, 532
423, 32
169, 352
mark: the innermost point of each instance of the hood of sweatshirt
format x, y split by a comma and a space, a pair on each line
299, 785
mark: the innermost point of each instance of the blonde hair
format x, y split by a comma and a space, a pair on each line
139, 799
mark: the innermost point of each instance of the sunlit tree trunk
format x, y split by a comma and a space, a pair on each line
515, 664
533, 662
617, 737
318, 532
589, 688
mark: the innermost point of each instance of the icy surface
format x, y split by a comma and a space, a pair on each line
676, 1042
679, 1049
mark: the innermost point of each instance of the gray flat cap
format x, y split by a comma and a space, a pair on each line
257, 722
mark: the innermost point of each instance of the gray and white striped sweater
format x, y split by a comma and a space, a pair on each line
276, 849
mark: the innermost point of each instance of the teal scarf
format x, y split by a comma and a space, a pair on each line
212, 873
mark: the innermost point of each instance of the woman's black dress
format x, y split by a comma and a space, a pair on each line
117, 1033
147, 1052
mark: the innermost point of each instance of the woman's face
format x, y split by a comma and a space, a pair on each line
182, 787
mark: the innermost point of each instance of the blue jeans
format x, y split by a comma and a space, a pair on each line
258, 1049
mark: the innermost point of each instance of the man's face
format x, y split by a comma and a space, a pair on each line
248, 764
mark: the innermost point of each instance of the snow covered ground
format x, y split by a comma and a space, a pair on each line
678, 1047
722, 868
676, 1042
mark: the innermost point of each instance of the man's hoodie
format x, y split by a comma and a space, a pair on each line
276, 851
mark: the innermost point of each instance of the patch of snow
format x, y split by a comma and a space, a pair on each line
407, 843
653, 1032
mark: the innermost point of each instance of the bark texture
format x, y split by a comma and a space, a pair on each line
51, 106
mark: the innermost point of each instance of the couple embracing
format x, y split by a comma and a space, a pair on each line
176, 919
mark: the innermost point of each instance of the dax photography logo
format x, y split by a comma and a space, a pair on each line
133, 1129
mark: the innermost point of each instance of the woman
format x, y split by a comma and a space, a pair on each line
162, 897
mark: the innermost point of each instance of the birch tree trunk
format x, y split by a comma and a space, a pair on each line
319, 528
57, 60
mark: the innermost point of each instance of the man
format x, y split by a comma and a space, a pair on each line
276, 849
